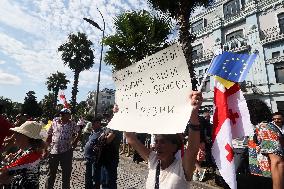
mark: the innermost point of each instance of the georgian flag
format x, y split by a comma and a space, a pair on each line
27, 161
63, 98
230, 120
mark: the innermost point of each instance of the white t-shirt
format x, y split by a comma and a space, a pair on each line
170, 178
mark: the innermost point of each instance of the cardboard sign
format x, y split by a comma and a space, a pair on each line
153, 94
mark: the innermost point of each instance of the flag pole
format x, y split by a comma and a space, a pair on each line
218, 52
204, 77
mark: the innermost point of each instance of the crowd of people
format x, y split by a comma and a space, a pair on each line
172, 159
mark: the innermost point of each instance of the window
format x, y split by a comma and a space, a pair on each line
108, 97
197, 51
281, 22
231, 8
235, 37
200, 72
280, 106
275, 54
206, 86
279, 72
197, 25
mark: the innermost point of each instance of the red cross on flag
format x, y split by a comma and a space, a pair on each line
231, 120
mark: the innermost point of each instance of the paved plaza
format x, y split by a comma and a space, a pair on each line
130, 175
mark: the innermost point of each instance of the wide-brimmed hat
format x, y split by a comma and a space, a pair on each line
30, 129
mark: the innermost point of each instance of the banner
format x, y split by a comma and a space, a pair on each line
152, 94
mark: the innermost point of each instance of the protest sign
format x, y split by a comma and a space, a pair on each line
153, 94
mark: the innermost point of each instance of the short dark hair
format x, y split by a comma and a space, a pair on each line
174, 139
277, 113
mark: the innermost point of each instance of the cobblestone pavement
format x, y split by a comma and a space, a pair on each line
130, 175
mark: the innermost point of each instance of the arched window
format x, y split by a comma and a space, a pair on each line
281, 22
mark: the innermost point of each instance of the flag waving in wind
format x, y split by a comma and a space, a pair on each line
230, 120
63, 98
231, 117
232, 66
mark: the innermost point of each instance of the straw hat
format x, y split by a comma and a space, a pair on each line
30, 129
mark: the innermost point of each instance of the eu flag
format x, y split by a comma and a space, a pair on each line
232, 66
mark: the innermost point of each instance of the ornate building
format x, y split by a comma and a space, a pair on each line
245, 26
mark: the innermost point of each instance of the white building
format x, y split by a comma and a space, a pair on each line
244, 26
106, 99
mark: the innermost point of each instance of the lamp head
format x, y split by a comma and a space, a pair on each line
93, 23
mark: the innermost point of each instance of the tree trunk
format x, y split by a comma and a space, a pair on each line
56, 91
74, 91
185, 39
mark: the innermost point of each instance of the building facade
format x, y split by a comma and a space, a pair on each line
244, 26
106, 99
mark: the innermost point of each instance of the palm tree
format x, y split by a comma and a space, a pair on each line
138, 34
181, 10
78, 55
57, 81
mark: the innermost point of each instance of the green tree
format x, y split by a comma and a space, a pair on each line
7, 105
181, 10
48, 107
57, 81
138, 34
78, 55
81, 109
30, 106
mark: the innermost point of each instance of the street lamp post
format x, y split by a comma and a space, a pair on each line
100, 65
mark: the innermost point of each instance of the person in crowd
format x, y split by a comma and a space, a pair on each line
208, 138
86, 132
166, 171
63, 136
102, 157
92, 154
22, 170
110, 158
142, 138
125, 148
266, 154
20, 119
5, 125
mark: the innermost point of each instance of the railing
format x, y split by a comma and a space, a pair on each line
210, 27
236, 45
248, 9
275, 60
271, 35
203, 57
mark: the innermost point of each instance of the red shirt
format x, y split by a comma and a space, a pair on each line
5, 125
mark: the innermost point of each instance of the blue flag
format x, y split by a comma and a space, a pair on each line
232, 66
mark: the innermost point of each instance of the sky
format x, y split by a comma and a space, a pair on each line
31, 32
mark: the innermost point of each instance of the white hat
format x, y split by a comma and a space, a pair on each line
65, 111
30, 129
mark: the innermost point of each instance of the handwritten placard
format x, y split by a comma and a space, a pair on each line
152, 94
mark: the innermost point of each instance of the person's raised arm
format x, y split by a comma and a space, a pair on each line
143, 151
190, 154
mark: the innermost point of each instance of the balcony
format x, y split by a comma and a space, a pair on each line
271, 35
275, 60
202, 57
262, 5
237, 45
210, 27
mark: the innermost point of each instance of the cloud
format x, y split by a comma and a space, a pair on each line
9, 79
33, 30
2, 62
